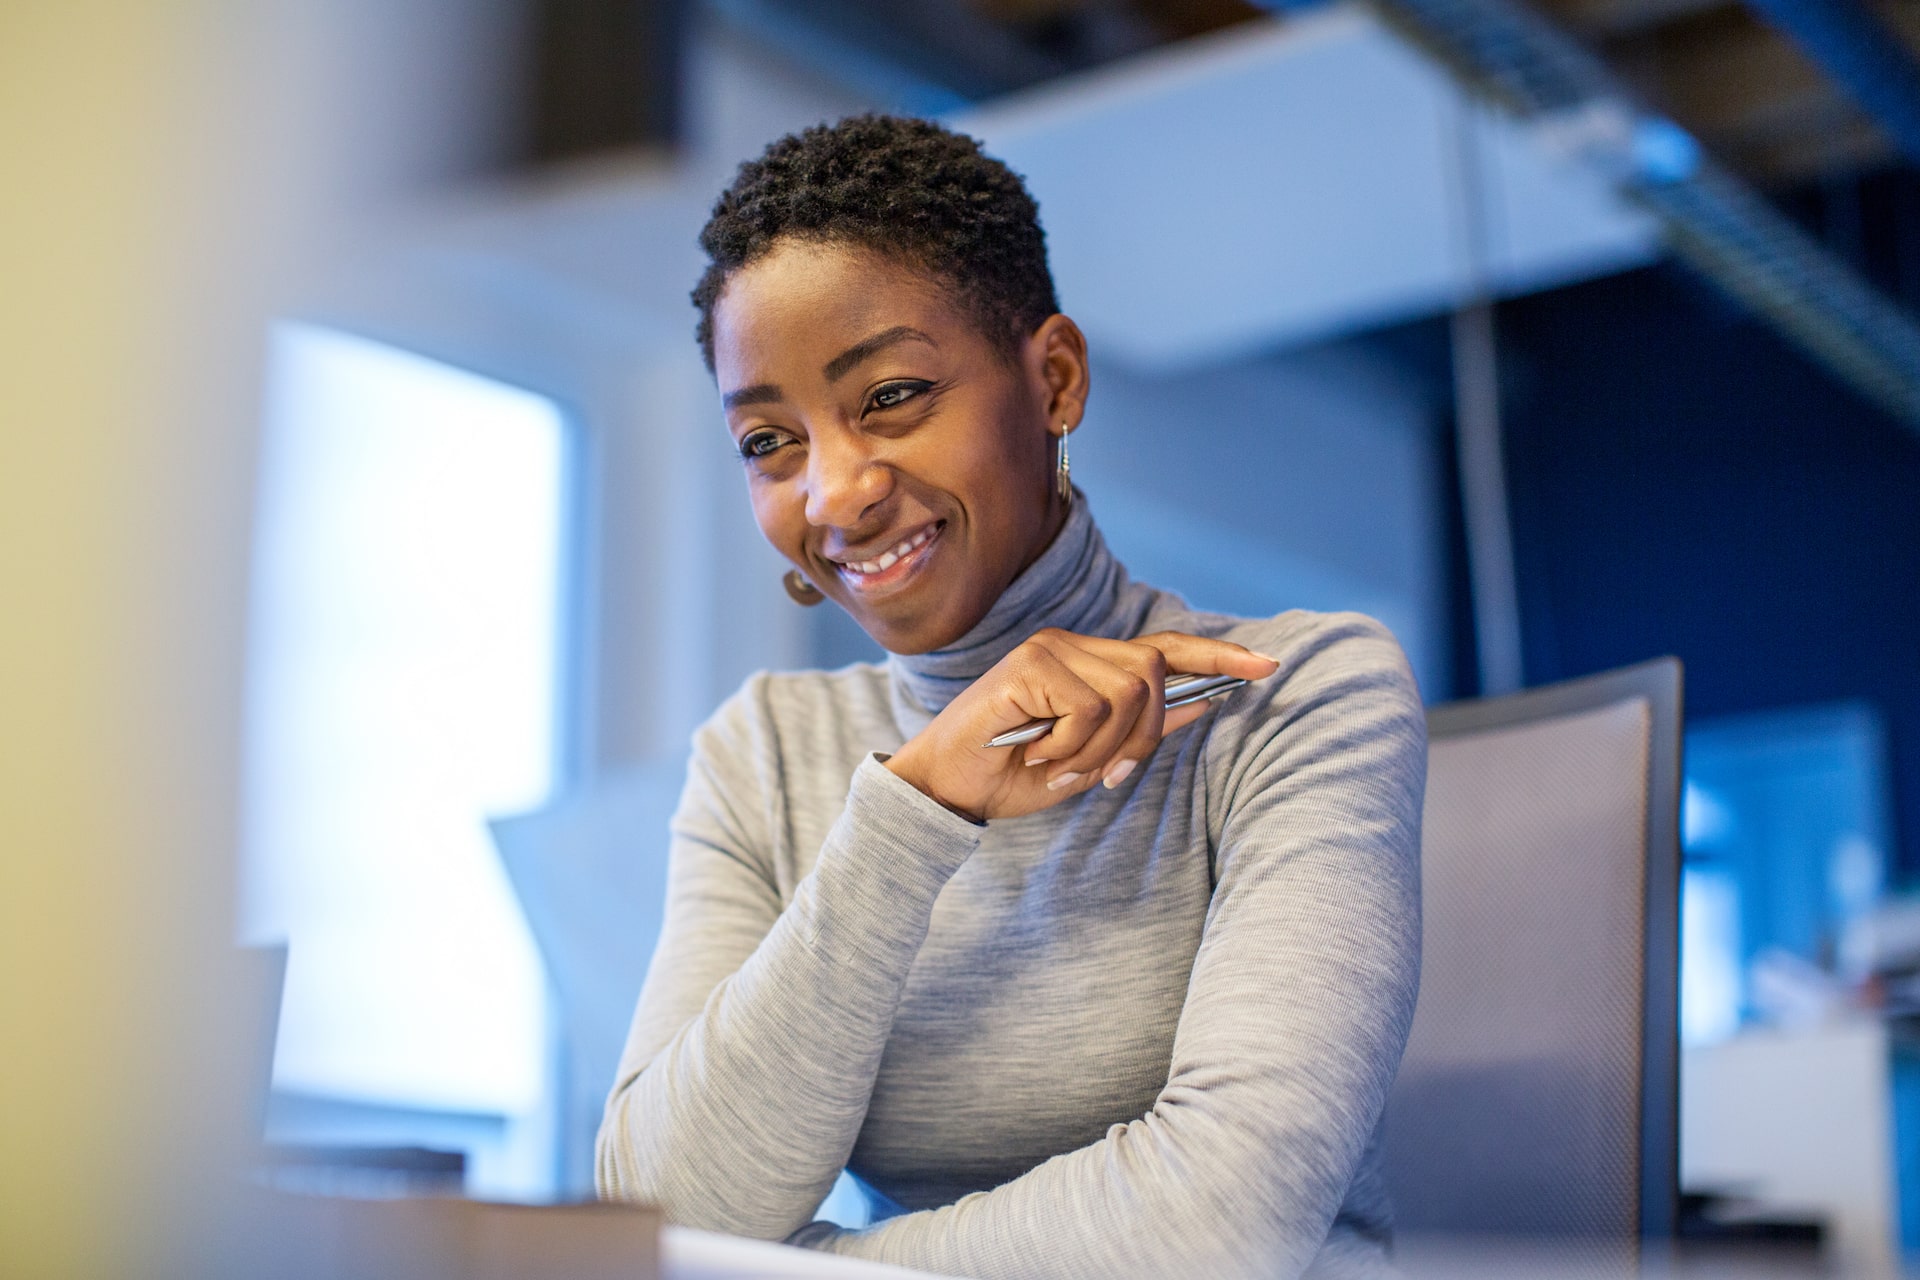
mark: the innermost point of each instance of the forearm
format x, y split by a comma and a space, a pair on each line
1240, 1167
1168, 1194
741, 1120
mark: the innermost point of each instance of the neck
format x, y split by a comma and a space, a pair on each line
1058, 513
1074, 584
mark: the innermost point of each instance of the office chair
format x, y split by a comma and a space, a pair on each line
1538, 1098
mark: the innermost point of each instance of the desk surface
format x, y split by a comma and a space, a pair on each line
686, 1254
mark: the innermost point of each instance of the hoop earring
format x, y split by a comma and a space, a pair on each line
801, 591
1062, 470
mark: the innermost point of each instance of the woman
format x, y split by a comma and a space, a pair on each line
1124, 1001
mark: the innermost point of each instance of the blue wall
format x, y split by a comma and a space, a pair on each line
1684, 482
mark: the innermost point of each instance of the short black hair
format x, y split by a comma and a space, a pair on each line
905, 188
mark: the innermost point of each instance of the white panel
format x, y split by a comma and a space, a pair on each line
1800, 1122
1558, 218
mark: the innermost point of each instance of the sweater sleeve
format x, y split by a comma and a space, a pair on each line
1295, 1016
758, 1033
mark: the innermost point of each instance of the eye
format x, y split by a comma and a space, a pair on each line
892, 395
758, 444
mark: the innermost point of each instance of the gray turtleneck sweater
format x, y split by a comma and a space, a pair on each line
1146, 1032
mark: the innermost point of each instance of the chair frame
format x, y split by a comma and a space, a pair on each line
1659, 682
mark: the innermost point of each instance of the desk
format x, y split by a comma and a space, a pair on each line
294, 1237
686, 1254
307, 1237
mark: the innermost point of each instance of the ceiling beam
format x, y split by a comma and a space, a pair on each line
1730, 80
605, 77
1748, 93
1713, 219
1608, 19
1863, 53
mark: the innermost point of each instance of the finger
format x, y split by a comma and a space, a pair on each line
1132, 725
1149, 666
1051, 689
1145, 729
1181, 717
1204, 656
1147, 656
1197, 655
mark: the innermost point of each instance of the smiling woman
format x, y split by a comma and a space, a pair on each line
1124, 1000
921, 428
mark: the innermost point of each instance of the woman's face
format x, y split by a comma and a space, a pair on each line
899, 460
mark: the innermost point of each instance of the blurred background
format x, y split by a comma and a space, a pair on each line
372, 543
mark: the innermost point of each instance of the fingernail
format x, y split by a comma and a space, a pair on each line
1269, 657
1035, 760
1118, 774
1064, 780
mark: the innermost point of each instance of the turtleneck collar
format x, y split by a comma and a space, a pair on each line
1075, 585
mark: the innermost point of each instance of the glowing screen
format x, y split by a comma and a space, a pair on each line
402, 687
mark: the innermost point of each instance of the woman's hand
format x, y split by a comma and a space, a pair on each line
1106, 699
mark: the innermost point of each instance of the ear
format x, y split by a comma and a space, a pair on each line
1056, 362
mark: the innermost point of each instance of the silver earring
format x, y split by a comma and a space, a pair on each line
801, 591
1062, 470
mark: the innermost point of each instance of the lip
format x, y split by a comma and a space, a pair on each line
900, 571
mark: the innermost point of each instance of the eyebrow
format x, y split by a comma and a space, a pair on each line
834, 369
837, 368
759, 393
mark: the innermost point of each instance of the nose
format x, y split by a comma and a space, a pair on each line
845, 481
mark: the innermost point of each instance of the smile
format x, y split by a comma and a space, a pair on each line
893, 565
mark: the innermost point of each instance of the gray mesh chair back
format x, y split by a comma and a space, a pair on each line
1538, 1095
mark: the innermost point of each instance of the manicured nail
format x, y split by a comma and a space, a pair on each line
1064, 780
1118, 774
1034, 760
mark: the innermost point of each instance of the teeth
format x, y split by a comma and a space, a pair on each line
890, 558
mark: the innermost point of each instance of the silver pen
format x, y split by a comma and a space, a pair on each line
1181, 689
